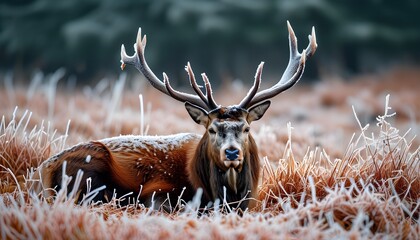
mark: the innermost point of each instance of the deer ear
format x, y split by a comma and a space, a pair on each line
198, 114
257, 111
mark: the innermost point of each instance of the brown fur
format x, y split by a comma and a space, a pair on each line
204, 173
151, 172
120, 168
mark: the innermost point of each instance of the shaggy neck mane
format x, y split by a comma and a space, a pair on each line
205, 174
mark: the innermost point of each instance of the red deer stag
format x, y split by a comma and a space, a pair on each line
223, 162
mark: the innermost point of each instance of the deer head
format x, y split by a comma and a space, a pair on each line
226, 146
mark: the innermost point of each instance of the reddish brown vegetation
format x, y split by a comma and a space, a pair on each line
322, 183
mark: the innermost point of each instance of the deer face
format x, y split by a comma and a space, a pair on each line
227, 131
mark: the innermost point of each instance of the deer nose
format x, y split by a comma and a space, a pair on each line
232, 154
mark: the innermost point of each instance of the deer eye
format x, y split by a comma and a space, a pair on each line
211, 131
246, 130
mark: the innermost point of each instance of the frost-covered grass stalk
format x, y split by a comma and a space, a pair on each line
115, 101
144, 126
51, 90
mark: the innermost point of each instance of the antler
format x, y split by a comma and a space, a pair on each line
291, 75
138, 60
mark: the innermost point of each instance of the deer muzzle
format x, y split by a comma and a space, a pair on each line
232, 154
232, 157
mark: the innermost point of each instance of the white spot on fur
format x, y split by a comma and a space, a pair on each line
88, 158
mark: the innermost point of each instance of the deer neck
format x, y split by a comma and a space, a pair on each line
232, 185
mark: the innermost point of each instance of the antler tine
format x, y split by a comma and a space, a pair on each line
254, 89
139, 62
294, 69
312, 46
172, 92
209, 92
180, 96
194, 84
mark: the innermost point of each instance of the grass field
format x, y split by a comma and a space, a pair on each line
340, 159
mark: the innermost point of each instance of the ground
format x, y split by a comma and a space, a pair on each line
336, 160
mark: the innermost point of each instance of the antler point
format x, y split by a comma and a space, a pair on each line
313, 34
292, 40
290, 29
123, 56
144, 41
123, 53
303, 58
260, 68
138, 40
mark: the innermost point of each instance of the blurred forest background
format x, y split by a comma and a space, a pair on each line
225, 38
